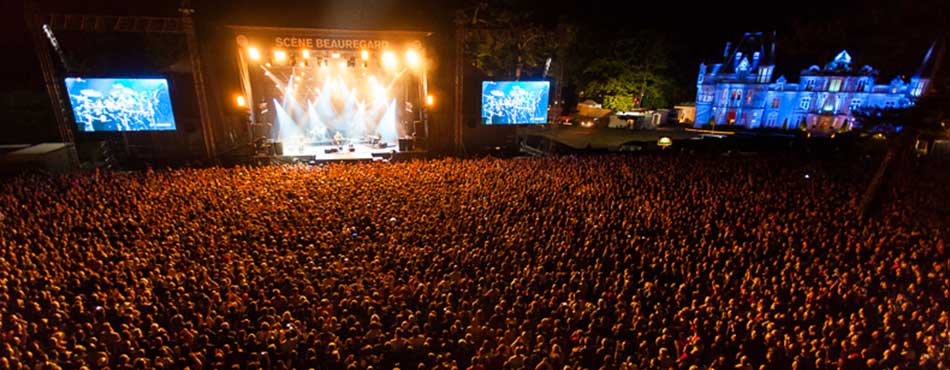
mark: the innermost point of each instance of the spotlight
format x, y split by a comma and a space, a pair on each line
280, 56
412, 58
379, 92
253, 53
267, 64
389, 60
430, 100
306, 54
302, 64
240, 101
335, 55
342, 64
364, 54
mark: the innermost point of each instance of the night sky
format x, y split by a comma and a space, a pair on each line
891, 36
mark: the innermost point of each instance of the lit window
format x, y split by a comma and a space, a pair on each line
860, 85
806, 102
776, 102
918, 89
835, 85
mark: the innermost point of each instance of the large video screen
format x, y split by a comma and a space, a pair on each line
121, 104
515, 102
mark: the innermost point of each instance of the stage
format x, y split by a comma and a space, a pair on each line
315, 153
346, 152
334, 102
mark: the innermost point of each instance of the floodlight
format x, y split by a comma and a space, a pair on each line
413, 58
389, 60
280, 56
253, 53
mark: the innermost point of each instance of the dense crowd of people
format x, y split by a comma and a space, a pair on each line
563, 263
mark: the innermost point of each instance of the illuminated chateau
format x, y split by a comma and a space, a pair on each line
741, 90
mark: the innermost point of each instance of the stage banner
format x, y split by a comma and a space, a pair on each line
324, 43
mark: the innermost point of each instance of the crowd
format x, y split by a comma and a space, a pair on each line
564, 263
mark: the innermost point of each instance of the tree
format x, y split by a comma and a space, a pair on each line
630, 69
905, 126
506, 43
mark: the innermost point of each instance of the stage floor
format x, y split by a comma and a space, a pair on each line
361, 152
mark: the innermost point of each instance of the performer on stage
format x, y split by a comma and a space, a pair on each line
338, 139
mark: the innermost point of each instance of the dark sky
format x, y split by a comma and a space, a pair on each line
890, 35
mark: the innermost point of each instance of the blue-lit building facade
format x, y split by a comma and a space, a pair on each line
741, 91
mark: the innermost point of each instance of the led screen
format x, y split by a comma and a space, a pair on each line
120, 104
515, 102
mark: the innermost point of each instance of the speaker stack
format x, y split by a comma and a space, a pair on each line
406, 144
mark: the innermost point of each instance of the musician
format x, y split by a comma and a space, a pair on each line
338, 139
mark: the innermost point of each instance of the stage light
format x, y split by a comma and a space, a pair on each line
306, 54
342, 64
280, 56
379, 92
430, 100
253, 53
412, 58
335, 55
302, 64
240, 101
364, 54
267, 64
389, 60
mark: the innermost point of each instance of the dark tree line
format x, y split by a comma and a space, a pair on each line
512, 40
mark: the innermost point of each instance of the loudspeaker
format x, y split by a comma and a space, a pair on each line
330, 151
277, 148
419, 128
405, 145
